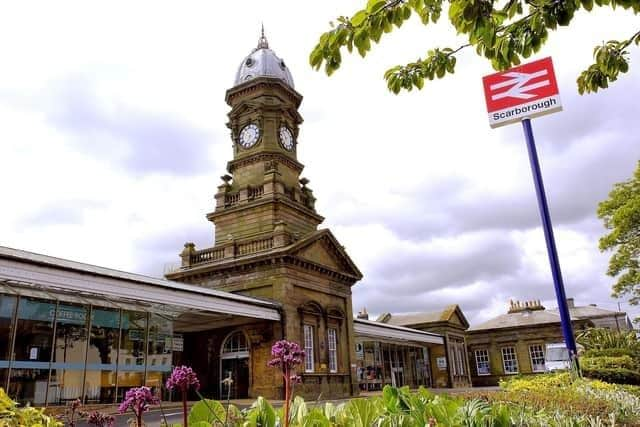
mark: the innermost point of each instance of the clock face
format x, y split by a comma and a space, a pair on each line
249, 135
286, 138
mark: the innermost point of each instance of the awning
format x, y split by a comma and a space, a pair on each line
382, 331
27, 272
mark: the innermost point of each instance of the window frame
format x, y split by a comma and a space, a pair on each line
531, 357
488, 361
332, 352
309, 347
512, 351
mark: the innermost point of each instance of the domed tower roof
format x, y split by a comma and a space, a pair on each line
263, 62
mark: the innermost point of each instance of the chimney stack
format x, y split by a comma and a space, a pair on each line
362, 314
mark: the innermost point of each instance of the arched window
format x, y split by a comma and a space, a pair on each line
235, 345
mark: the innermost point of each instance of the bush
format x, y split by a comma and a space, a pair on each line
580, 396
602, 338
612, 352
613, 375
608, 362
11, 415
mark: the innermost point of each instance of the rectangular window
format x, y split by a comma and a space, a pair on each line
537, 357
333, 350
482, 362
308, 348
509, 360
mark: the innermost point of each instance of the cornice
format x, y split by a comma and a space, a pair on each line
254, 85
264, 200
264, 156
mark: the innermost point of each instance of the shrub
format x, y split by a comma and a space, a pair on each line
11, 415
601, 338
612, 352
614, 375
559, 392
608, 362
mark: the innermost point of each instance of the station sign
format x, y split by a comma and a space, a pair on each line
526, 91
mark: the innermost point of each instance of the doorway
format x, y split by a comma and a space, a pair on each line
234, 365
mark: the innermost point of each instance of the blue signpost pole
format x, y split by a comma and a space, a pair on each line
563, 308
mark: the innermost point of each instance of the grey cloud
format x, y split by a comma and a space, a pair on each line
152, 142
160, 252
62, 212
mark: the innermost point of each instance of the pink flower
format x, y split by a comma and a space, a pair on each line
101, 420
138, 400
182, 378
286, 354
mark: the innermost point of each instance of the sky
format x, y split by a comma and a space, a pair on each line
113, 139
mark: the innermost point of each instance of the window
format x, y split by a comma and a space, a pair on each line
537, 357
308, 348
457, 356
333, 350
509, 360
482, 362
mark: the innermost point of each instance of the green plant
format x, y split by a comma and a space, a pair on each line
602, 338
614, 375
608, 362
13, 416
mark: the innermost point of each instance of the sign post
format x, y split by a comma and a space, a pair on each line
519, 94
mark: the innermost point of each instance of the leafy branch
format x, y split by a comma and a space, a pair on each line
503, 34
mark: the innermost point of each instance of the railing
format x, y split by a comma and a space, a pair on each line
255, 192
204, 255
231, 199
254, 246
290, 192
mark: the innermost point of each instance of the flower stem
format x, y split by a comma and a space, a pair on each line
184, 407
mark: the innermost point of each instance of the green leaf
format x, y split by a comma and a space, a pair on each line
373, 6
207, 410
359, 18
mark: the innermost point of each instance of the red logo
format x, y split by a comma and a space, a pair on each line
520, 85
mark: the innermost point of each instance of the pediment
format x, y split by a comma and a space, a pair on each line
323, 249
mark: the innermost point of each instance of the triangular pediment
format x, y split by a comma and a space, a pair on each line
323, 249
453, 314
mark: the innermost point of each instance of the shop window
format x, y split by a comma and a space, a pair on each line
7, 311
32, 351
333, 350
132, 347
509, 360
482, 362
102, 355
536, 353
70, 347
160, 347
308, 348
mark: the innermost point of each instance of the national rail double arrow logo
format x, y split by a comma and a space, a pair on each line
529, 90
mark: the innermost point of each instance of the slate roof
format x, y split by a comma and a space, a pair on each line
538, 317
413, 319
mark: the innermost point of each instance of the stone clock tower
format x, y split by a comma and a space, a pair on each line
267, 244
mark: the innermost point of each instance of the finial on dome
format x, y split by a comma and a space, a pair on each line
263, 43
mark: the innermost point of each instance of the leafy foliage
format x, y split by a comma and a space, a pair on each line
13, 416
589, 398
602, 339
503, 32
621, 215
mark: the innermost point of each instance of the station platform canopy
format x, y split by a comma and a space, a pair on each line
384, 332
192, 307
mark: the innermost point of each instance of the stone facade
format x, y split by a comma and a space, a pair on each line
267, 245
513, 343
450, 323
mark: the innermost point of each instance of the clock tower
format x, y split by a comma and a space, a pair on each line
267, 243
264, 190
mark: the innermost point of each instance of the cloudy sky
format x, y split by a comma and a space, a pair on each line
113, 138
